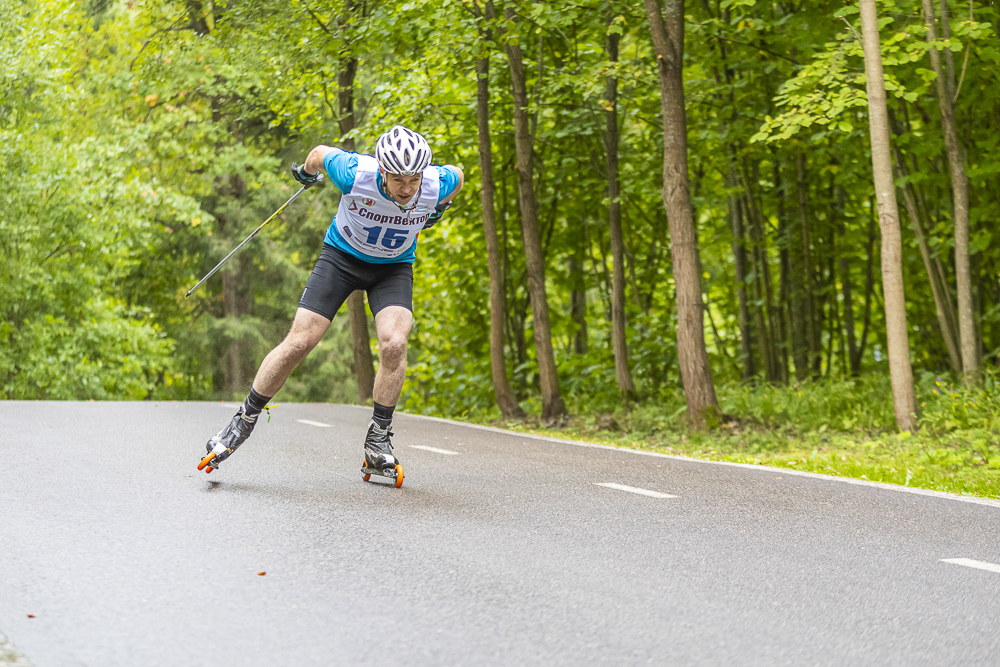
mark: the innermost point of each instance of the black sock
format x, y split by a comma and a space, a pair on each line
255, 402
383, 415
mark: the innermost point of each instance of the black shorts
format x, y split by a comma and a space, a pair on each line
338, 274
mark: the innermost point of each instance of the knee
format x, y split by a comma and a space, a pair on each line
298, 345
392, 349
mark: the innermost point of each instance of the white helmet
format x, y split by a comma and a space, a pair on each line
402, 151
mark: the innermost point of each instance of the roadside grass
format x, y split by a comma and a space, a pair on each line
9, 657
917, 461
842, 428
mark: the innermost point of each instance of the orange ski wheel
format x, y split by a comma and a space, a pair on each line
399, 476
365, 475
205, 461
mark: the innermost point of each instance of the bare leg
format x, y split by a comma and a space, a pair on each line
307, 330
392, 324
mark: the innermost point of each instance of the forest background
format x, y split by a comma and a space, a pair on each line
725, 298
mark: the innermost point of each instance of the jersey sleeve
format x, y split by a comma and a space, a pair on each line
449, 181
342, 168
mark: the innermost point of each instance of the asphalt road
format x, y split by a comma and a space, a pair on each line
506, 553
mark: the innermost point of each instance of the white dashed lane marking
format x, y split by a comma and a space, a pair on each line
632, 489
433, 449
978, 564
312, 423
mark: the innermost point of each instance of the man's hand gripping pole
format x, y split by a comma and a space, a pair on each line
319, 177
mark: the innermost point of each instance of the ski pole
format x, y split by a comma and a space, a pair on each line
249, 238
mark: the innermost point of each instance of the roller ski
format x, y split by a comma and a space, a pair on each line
379, 459
222, 446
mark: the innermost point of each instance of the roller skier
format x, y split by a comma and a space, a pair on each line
387, 199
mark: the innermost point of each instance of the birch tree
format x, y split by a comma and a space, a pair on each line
897, 336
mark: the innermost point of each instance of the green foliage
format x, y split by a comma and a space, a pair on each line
863, 403
829, 91
76, 219
103, 354
947, 406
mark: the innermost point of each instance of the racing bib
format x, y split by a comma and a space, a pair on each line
374, 225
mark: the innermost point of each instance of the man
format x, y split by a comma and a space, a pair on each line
386, 200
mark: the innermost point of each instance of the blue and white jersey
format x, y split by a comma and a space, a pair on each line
368, 224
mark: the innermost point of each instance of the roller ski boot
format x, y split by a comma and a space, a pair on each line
378, 456
221, 446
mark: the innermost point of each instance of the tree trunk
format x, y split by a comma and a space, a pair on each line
846, 289
740, 255
364, 365
748, 367
852, 336
924, 215
774, 318
696, 374
601, 268
237, 295
945, 314
801, 331
781, 314
514, 317
552, 401
948, 56
578, 298
762, 314
618, 336
869, 294
897, 336
501, 386
960, 197
237, 301
829, 289
813, 338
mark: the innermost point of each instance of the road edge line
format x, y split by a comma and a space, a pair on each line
974, 500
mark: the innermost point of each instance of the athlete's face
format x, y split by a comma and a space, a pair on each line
402, 188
